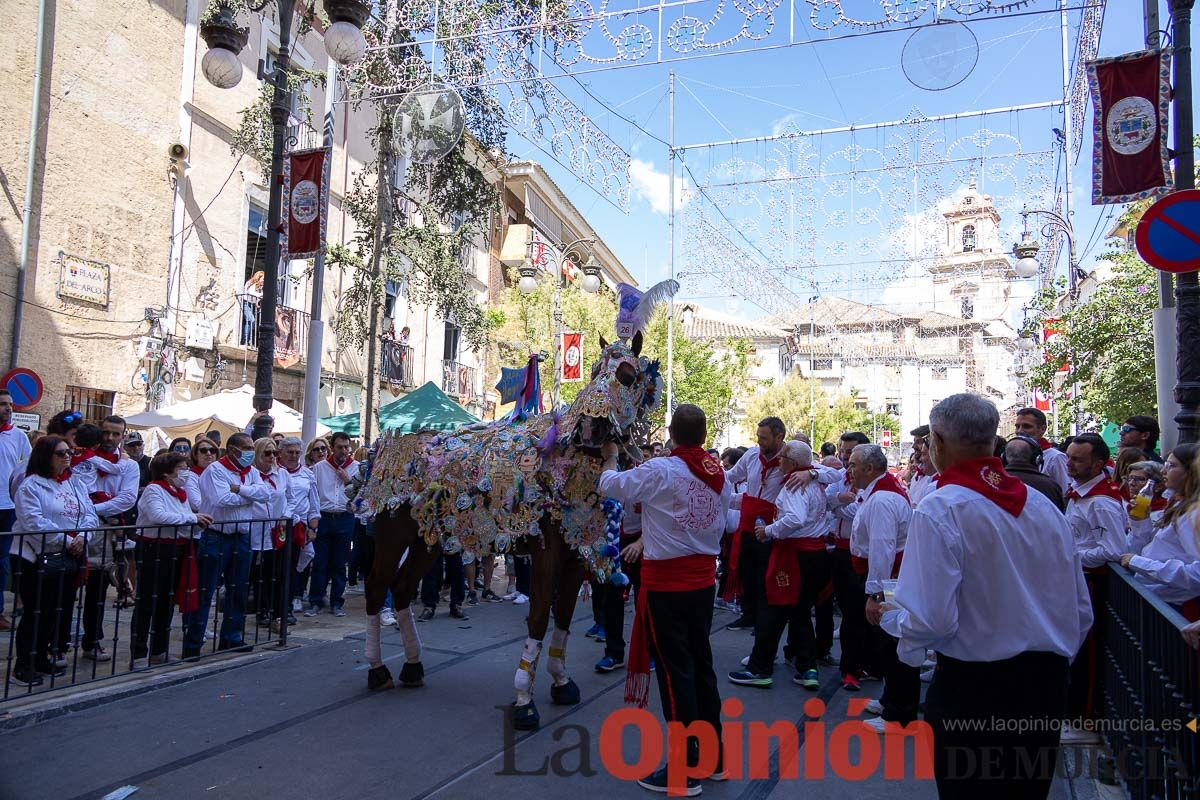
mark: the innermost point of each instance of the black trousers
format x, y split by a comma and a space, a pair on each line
158, 565
814, 574
687, 683
524, 573
447, 567
94, 595
752, 570
614, 608
600, 593
992, 762
47, 600
849, 589
824, 614
901, 683
1086, 690
274, 603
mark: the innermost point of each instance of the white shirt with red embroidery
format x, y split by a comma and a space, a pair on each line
749, 470
800, 513
46, 509
681, 516
1098, 523
879, 531
979, 584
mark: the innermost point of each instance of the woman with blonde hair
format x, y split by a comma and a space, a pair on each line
317, 450
1170, 564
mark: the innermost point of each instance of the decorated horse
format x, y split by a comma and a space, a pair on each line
525, 484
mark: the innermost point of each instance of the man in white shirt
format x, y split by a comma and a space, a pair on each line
684, 498
877, 541
992, 582
1032, 423
1096, 515
229, 488
924, 479
759, 470
797, 571
336, 531
121, 490
842, 501
14, 458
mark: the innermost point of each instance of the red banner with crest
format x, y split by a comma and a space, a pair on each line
305, 200
572, 357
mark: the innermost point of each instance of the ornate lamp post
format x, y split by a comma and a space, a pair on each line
591, 284
345, 44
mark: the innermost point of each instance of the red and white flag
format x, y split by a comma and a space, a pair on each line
1131, 95
305, 200
572, 357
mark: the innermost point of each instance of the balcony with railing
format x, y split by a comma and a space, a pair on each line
291, 329
396, 363
458, 380
302, 136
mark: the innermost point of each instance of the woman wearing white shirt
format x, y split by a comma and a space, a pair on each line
1170, 563
166, 558
265, 535
56, 518
204, 453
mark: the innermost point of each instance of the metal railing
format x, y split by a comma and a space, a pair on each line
396, 363
303, 136
137, 598
458, 380
291, 329
1151, 692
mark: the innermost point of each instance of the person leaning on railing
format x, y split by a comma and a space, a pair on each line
1170, 563
166, 558
54, 521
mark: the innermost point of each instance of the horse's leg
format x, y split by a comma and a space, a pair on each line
390, 542
420, 559
544, 563
571, 571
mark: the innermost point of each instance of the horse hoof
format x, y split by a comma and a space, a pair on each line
379, 678
565, 695
412, 676
526, 718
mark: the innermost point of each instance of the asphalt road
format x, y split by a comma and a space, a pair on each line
303, 725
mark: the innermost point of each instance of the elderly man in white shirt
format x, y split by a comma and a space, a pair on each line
797, 571
684, 497
993, 583
877, 541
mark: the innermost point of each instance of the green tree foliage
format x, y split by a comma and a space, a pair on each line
1108, 338
800, 402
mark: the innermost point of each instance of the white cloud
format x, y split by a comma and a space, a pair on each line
653, 186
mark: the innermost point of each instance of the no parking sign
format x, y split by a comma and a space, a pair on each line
25, 387
1168, 235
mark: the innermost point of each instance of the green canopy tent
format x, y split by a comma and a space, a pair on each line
426, 408
349, 423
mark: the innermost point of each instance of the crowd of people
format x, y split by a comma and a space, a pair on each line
976, 567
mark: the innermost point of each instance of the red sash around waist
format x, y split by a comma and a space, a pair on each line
752, 509
783, 568
861, 565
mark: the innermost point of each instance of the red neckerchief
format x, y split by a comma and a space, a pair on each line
294, 471
64, 477
1159, 504
335, 465
1045, 444
266, 476
78, 459
239, 471
682, 574
6, 427
198, 470
888, 483
177, 493
987, 476
1105, 488
111, 458
918, 472
765, 466
701, 464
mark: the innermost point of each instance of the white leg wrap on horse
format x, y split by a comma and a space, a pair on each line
526, 671
408, 635
374, 657
556, 665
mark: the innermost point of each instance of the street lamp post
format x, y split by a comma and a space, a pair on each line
591, 284
345, 43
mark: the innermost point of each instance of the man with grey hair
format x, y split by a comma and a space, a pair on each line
993, 582
877, 540
797, 570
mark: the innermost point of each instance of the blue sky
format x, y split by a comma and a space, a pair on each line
822, 85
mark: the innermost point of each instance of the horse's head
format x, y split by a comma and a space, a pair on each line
623, 389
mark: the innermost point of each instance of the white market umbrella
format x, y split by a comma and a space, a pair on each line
228, 412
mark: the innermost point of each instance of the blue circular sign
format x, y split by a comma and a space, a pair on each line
1168, 235
25, 387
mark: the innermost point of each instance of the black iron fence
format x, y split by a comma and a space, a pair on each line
1151, 692
291, 329
458, 380
396, 363
119, 600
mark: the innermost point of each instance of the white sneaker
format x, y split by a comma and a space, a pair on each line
297, 604
873, 707
139, 663
387, 618
520, 599
510, 596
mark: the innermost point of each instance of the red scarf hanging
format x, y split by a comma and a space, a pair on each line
683, 574
1105, 488
987, 476
6, 427
174, 491
888, 483
111, 458
241, 472
783, 568
187, 589
81, 457
346, 464
701, 464
752, 509
266, 477
1045, 444
765, 466
197, 470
